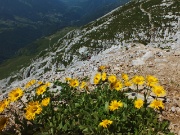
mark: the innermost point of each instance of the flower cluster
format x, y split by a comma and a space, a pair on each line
116, 84
138, 80
57, 110
34, 107
74, 83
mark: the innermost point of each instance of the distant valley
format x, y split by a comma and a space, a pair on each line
24, 21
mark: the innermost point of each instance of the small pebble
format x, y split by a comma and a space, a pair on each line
173, 109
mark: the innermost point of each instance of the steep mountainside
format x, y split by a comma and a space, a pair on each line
153, 23
23, 21
93, 8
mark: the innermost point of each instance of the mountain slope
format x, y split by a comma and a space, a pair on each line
92, 9
23, 21
135, 22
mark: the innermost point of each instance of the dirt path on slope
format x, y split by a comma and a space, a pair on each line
150, 20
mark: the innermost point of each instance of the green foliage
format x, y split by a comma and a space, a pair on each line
76, 110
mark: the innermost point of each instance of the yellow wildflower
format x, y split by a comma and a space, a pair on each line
3, 104
33, 81
97, 78
139, 80
83, 84
101, 68
3, 122
117, 85
158, 91
127, 83
68, 79
27, 85
74, 83
112, 78
138, 103
114, 105
15, 94
152, 85
30, 83
40, 82
103, 76
157, 104
32, 109
151, 80
45, 101
41, 89
6, 102
105, 123
30, 116
125, 77
48, 84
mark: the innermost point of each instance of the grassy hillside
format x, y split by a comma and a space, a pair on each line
148, 22
27, 54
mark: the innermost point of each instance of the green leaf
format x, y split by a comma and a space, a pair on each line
85, 130
42, 133
65, 127
60, 126
77, 104
81, 127
124, 105
164, 125
58, 117
51, 124
54, 119
106, 108
52, 131
149, 132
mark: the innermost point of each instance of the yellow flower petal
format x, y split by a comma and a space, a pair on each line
112, 78
105, 123
15, 94
114, 105
138, 103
